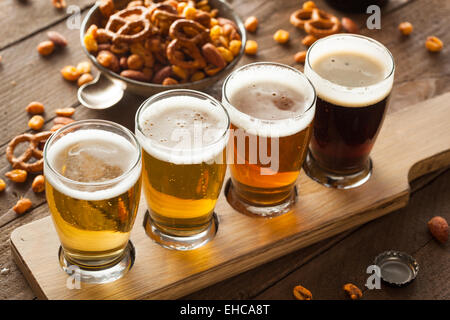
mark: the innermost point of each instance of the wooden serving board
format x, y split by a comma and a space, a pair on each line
412, 142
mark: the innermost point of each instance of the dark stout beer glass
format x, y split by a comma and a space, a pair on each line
353, 76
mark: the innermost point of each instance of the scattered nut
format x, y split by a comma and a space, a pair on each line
281, 36
56, 127
434, 44
22, 206
169, 81
45, 48
309, 40
251, 47
352, 291
57, 38
309, 5
300, 57
84, 67
17, 175
405, 28
36, 122
35, 108
135, 62
85, 78
438, 227
70, 73
63, 120
38, 184
235, 47
65, 112
349, 25
108, 60
2, 185
251, 24
301, 293
59, 4
90, 43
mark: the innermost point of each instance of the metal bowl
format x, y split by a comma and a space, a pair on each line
94, 16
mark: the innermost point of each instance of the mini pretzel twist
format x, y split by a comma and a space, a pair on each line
122, 25
177, 48
32, 151
188, 30
316, 22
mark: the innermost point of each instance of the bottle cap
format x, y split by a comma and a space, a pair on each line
397, 268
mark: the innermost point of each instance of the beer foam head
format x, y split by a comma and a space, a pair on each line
350, 96
102, 150
182, 128
279, 76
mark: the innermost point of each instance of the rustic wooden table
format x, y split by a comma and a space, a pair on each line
323, 267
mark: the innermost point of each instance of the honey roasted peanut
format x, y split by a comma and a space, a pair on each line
63, 120
84, 67
46, 48
65, 112
281, 36
169, 81
251, 24
17, 175
300, 57
38, 184
2, 185
70, 73
251, 47
36, 122
434, 44
309, 40
352, 291
35, 108
301, 293
135, 62
406, 28
22, 206
85, 78
108, 60
349, 25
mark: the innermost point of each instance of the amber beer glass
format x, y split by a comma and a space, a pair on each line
353, 76
271, 108
183, 134
92, 170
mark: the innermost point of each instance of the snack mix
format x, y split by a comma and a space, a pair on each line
166, 42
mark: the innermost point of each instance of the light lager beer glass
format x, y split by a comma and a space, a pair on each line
271, 108
353, 76
183, 134
92, 170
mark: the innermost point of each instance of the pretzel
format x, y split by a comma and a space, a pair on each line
316, 22
163, 15
189, 48
122, 25
188, 30
33, 151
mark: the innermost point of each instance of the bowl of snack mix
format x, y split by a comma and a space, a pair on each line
152, 46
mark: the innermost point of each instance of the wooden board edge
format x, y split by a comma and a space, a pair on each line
431, 164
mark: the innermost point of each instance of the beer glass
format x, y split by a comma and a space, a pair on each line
271, 108
353, 76
92, 171
183, 134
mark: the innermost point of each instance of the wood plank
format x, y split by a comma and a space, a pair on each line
406, 230
244, 242
22, 18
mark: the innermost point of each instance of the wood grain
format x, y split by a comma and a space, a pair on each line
244, 242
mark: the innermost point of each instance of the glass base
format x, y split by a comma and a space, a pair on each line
180, 243
333, 179
259, 211
99, 274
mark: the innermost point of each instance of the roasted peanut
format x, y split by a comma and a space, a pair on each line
135, 75
36, 122
197, 76
169, 81
309, 5
22, 206
281, 36
17, 175
90, 43
46, 48
213, 55
84, 67
56, 127
85, 78
65, 112
214, 22
181, 6
35, 108
251, 24
59, 4
2, 185
438, 227
38, 184
135, 62
161, 74
215, 32
108, 60
405, 28
107, 7
189, 12
63, 120
214, 12
235, 47
301, 293
349, 25
434, 44
309, 40
70, 73
352, 291
180, 72
57, 38
251, 47
300, 57
226, 54
92, 30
